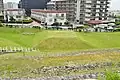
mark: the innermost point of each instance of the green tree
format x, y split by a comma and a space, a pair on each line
12, 19
1, 24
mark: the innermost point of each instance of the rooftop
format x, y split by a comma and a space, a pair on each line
14, 9
49, 11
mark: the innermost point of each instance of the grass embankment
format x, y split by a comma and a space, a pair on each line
22, 66
56, 41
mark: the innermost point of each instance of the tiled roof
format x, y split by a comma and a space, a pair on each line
14, 9
49, 11
95, 22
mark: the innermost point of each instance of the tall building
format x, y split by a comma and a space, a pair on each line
81, 11
1, 11
1, 7
92, 10
10, 5
64, 5
32, 4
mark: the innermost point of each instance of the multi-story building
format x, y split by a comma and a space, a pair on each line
1, 7
1, 11
49, 16
10, 5
17, 14
92, 10
64, 5
81, 11
32, 4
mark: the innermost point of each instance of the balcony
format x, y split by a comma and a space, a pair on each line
88, 2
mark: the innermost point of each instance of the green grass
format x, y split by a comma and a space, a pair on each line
57, 41
53, 41
21, 66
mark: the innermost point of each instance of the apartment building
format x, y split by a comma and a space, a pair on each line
17, 14
81, 11
92, 10
1, 7
49, 16
10, 5
63, 5
32, 4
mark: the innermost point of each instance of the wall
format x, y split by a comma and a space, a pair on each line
49, 18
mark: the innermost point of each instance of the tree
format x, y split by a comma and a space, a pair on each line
60, 24
12, 19
1, 24
55, 24
85, 28
66, 23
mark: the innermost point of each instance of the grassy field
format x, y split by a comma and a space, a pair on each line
22, 65
56, 41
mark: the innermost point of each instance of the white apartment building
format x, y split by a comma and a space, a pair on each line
81, 11
63, 5
17, 14
10, 5
49, 16
1, 7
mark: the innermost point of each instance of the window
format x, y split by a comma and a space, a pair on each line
50, 20
18, 16
50, 15
55, 20
62, 15
57, 15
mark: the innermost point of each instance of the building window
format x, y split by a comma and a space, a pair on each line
57, 15
50, 20
50, 15
62, 15
18, 16
55, 20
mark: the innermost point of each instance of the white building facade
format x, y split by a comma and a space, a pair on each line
17, 14
1, 7
49, 16
10, 5
82, 11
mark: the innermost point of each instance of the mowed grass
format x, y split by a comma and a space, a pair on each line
57, 41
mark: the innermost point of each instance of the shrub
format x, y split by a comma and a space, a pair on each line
24, 21
55, 24
116, 30
66, 23
117, 23
1, 24
112, 76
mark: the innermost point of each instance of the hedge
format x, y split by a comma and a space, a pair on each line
24, 21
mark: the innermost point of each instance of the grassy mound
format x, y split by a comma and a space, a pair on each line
54, 44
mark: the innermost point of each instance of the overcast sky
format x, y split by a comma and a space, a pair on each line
115, 4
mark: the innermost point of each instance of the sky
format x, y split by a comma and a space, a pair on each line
115, 4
